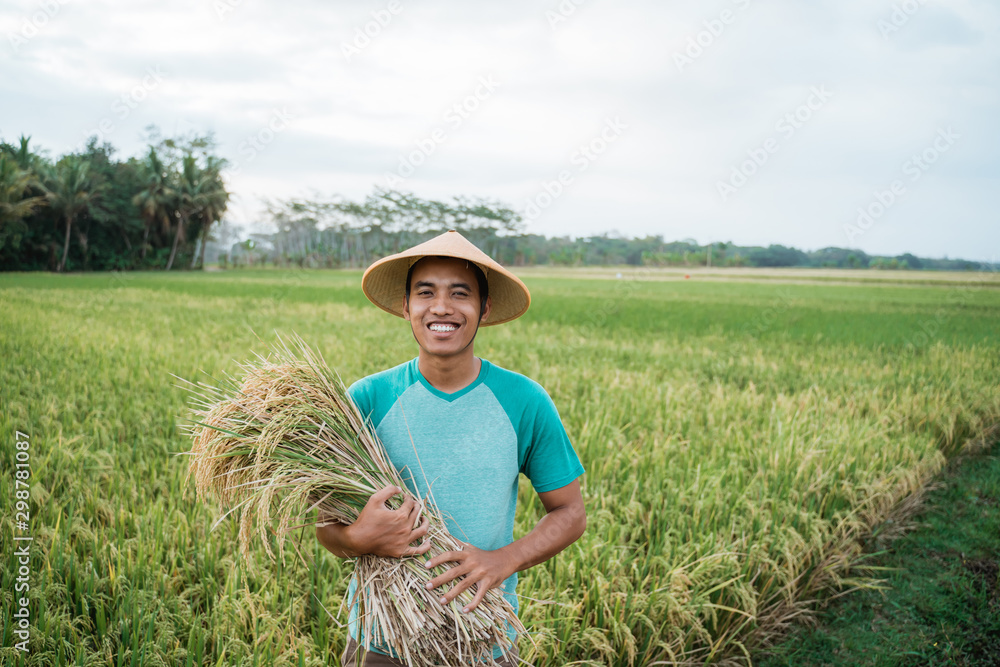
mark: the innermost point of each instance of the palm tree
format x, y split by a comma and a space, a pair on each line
18, 181
194, 188
214, 201
26, 160
155, 200
14, 183
70, 191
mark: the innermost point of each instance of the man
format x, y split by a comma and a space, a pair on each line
460, 430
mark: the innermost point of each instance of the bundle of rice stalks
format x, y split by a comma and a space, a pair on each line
286, 440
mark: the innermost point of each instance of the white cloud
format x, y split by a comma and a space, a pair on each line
230, 64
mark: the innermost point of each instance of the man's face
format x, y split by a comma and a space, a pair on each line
443, 308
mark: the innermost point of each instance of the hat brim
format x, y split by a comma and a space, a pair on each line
384, 282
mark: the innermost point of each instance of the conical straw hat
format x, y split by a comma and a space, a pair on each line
384, 283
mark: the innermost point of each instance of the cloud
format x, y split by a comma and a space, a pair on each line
231, 65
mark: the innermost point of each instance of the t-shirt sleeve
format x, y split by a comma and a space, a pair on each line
545, 454
375, 394
361, 394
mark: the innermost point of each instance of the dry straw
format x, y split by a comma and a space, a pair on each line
286, 440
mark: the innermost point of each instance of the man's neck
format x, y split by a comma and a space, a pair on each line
449, 374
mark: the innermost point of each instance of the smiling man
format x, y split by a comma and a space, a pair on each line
460, 430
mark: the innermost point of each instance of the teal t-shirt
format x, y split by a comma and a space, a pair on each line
468, 448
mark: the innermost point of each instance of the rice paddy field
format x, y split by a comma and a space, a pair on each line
741, 433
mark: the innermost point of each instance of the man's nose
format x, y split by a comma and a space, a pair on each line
441, 305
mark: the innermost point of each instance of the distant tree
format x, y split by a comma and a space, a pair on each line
16, 202
156, 199
198, 191
214, 201
193, 175
715, 252
157, 209
228, 233
736, 260
70, 191
777, 255
110, 229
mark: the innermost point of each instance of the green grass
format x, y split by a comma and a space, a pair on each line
942, 604
739, 439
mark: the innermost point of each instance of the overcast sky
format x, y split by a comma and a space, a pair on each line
865, 124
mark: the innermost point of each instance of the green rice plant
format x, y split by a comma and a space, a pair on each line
286, 440
738, 438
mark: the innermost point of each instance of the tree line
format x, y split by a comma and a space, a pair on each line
88, 211
337, 232
166, 209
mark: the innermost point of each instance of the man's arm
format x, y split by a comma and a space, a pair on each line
378, 530
564, 522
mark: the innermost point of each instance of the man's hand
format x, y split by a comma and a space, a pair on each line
485, 569
379, 530
564, 522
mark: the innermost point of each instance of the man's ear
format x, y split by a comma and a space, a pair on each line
406, 307
486, 310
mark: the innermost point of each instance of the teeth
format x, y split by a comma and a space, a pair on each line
442, 327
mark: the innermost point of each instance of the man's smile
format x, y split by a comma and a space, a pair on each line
442, 327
